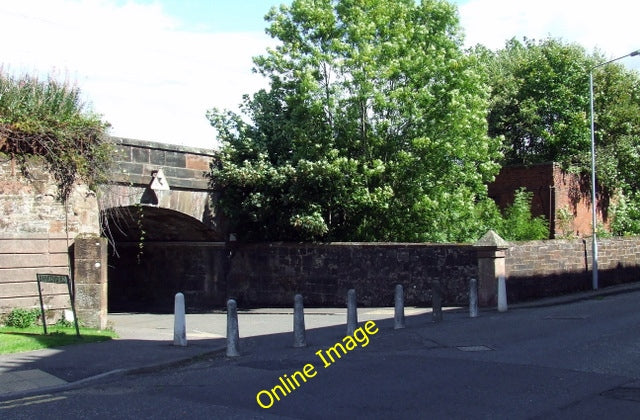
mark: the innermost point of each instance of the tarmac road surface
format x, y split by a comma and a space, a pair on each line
577, 360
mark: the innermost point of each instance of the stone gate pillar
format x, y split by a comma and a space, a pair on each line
491, 250
90, 280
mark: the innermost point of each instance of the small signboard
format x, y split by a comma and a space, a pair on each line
56, 279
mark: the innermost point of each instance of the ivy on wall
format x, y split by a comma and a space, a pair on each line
49, 119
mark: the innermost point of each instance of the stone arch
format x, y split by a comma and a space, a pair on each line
156, 252
118, 199
126, 224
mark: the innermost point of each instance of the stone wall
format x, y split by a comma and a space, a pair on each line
90, 278
147, 278
24, 255
184, 167
37, 232
271, 274
538, 269
30, 205
133, 183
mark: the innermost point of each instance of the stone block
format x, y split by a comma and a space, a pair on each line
90, 276
122, 153
175, 159
88, 271
89, 296
140, 155
183, 173
88, 247
24, 260
26, 246
157, 157
200, 163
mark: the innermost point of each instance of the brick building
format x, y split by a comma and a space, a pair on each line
562, 197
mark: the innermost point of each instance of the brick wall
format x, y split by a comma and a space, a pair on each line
535, 178
573, 196
553, 190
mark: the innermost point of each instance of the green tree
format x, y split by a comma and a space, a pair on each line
539, 101
626, 215
373, 128
617, 128
540, 106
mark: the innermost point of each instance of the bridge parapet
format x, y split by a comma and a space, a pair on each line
185, 186
184, 167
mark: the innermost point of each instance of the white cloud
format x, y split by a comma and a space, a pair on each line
606, 25
150, 80
154, 81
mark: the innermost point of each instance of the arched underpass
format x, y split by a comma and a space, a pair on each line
157, 252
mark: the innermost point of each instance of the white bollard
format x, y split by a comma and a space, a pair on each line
352, 312
473, 298
179, 322
233, 335
502, 294
398, 318
299, 339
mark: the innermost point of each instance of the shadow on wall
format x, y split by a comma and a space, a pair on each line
528, 288
156, 253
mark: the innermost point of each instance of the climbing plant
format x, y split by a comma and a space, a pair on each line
49, 119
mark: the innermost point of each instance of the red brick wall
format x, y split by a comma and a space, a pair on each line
536, 179
553, 190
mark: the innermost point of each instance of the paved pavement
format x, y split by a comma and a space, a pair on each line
146, 343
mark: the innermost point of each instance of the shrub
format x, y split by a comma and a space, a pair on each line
626, 215
519, 224
64, 323
48, 119
22, 318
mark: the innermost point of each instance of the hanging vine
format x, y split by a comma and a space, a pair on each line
49, 120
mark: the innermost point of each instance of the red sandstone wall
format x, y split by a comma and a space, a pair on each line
548, 268
21, 258
536, 178
271, 274
32, 234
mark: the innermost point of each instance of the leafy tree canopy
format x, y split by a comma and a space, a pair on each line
374, 128
540, 106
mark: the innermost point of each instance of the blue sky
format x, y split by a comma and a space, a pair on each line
154, 67
223, 15
220, 15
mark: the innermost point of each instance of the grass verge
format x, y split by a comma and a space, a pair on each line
15, 340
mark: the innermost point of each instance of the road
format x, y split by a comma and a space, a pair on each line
579, 360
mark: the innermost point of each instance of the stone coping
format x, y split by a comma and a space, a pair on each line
145, 144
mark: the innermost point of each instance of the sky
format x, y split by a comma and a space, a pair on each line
152, 68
